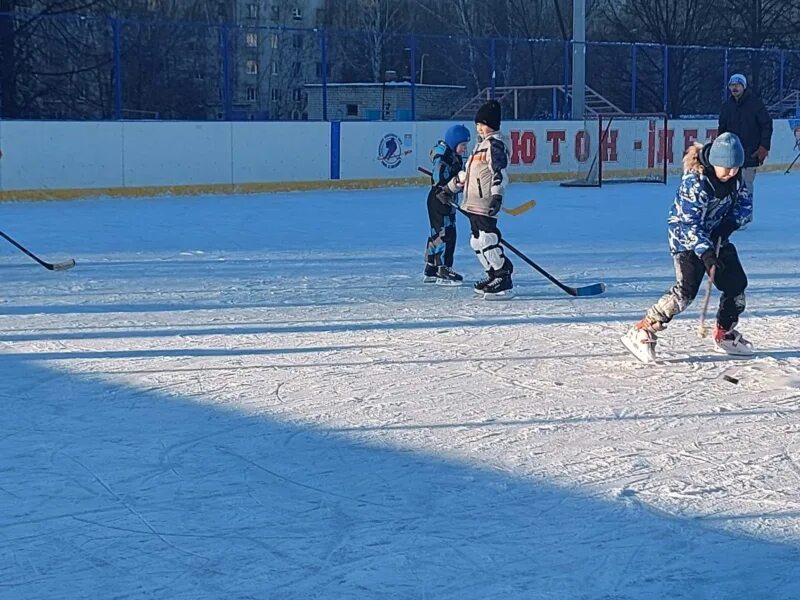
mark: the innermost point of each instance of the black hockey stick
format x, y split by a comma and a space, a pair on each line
586, 290
516, 210
60, 266
789, 168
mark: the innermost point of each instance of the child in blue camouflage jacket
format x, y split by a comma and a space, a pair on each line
447, 162
712, 202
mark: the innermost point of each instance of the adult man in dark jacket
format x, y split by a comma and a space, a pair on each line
745, 115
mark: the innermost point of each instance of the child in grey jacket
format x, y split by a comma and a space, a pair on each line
484, 187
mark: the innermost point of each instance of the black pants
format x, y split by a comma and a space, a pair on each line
731, 281
442, 239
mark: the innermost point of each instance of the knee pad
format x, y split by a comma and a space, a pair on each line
491, 249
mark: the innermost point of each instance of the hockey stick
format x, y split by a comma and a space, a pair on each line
702, 330
60, 266
789, 168
515, 211
587, 290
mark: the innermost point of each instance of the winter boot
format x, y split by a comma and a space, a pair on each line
730, 341
641, 340
446, 276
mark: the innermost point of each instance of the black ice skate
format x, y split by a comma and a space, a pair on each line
499, 288
431, 273
479, 287
446, 276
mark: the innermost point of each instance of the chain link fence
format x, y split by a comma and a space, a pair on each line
71, 67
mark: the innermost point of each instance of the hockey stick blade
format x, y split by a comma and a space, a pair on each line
514, 211
61, 266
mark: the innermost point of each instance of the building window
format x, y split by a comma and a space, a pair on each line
251, 39
297, 95
297, 68
275, 95
252, 67
152, 4
297, 41
251, 94
352, 110
297, 14
275, 68
273, 40
276, 12
252, 11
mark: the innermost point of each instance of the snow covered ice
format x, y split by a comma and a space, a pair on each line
256, 397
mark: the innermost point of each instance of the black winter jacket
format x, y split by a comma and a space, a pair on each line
748, 118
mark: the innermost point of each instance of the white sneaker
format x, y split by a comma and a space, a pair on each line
731, 342
641, 342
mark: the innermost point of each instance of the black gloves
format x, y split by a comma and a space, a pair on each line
724, 230
495, 204
445, 196
710, 259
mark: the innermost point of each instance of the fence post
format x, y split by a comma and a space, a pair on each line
323, 47
634, 77
412, 57
494, 65
227, 103
117, 68
666, 79
567, 110
725, 75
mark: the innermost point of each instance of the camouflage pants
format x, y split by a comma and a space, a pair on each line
730, 280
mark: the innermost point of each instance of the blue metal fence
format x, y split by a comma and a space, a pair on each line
70, 67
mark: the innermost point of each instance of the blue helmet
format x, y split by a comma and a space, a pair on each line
455, 135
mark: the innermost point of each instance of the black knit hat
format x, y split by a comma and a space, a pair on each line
489, 114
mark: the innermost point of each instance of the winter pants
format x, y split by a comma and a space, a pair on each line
485, 241
749, 177
442, 239
731, 281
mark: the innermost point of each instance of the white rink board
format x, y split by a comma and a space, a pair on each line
280, 152
59, 158
55, 154
165, 154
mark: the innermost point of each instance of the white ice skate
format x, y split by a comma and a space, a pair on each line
731, 342
641, 342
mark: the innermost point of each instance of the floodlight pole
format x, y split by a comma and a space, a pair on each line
578, 58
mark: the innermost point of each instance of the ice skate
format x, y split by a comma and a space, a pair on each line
499, 288
430, 275
731, 342
446, 276
640, 340
479, 287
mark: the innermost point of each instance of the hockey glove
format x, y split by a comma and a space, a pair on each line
445, 196
710, 259
724, 230
495, 204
